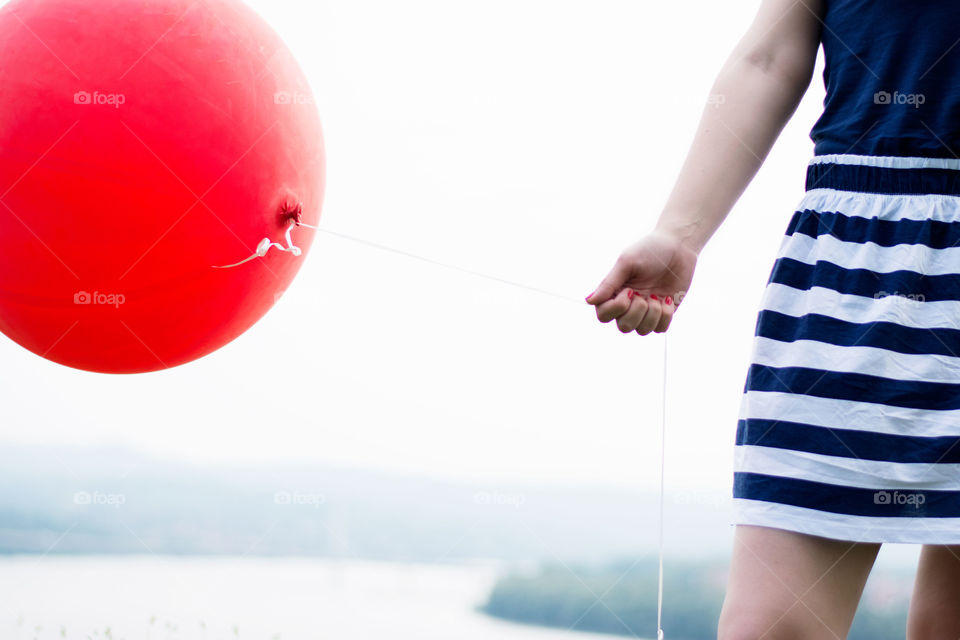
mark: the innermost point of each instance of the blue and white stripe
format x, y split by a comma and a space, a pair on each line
849, 423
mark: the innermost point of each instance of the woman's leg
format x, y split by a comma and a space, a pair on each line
785, 585
934, 608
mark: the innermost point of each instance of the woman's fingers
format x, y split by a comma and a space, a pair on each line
614, 307
652, 317
640, 312
669, 307
634, 315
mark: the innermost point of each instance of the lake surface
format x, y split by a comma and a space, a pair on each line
190, 598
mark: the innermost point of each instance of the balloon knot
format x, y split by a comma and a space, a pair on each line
292, 212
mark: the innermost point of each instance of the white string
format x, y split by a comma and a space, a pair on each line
577, 301
663, 415
663, 435
266, 244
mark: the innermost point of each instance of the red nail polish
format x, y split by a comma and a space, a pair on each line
669, 300
653, 296
630, 294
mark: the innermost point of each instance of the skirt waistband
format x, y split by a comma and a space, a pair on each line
885, 174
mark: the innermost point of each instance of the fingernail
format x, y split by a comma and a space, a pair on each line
589, 296
653, 296
630, 294
669, 300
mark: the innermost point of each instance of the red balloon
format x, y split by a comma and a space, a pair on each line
144, 144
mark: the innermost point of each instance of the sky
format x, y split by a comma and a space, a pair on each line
528, 140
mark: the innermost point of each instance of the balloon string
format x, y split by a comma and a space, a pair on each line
663, 415
265, 245
663, 437
479, 274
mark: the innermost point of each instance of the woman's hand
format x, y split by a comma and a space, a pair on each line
646, 284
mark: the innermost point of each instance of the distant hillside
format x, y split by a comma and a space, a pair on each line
70, 500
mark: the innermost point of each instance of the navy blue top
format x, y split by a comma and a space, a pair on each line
892, 76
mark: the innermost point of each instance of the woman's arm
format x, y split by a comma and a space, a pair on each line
754, 95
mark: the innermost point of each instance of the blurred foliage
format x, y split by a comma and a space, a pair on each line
621, 598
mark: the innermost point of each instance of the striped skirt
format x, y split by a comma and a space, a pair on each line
849, 423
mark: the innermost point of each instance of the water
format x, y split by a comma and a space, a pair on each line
207, 598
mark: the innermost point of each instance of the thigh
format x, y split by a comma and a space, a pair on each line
936, 591
784, 584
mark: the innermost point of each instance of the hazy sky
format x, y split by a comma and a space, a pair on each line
527, 139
